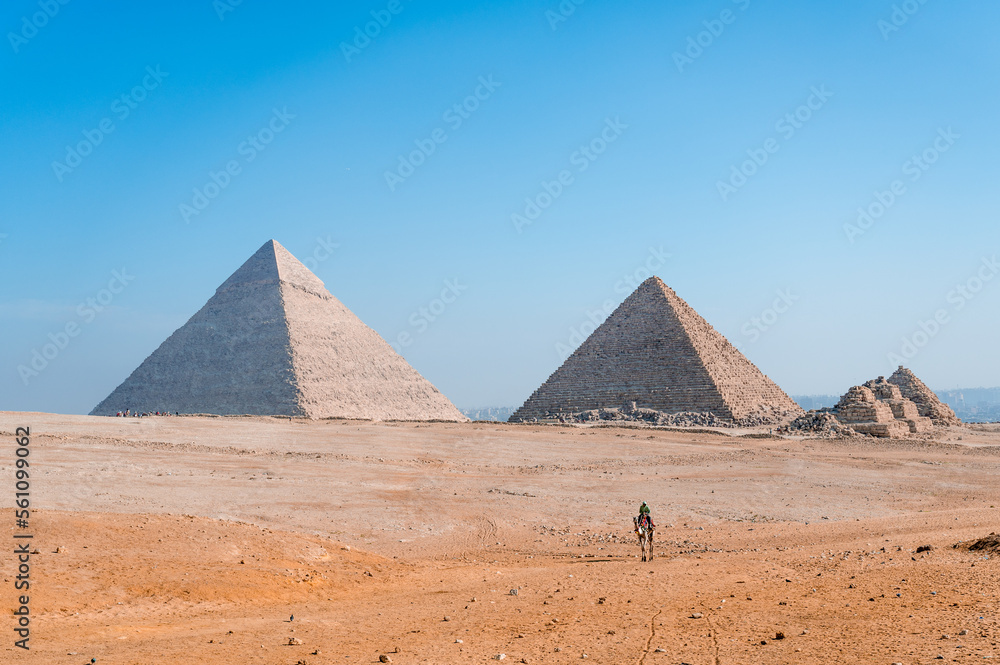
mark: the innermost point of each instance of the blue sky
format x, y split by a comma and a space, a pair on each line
645, 125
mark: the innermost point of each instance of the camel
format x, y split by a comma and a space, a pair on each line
645, 533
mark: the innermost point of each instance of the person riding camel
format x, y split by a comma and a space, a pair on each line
645, 515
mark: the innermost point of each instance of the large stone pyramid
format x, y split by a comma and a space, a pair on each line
656, 351
274, 341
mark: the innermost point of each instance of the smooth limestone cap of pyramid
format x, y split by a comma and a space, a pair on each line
272, 264
656, 351
274, 341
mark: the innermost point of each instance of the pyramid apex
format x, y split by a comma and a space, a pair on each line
655, 282
272, 263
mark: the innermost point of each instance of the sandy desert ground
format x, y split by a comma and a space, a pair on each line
195, 539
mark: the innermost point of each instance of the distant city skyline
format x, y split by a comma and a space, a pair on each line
483, 184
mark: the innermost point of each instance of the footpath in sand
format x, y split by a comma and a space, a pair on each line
192, 540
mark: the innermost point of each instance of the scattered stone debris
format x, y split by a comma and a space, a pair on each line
822, 422
497, 490
924, 548
990, 543
648, 416
631, 413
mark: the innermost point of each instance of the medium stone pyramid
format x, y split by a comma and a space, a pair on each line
274, 341
656, 351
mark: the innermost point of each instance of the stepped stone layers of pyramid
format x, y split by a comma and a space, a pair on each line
927, 402
897, 407
879, 408
656, 351
274, 341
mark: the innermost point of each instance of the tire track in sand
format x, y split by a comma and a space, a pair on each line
715, 640
486, 531
649, 640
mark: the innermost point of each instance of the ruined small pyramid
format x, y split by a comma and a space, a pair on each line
274, 341
878, 408
657, 352
928, 404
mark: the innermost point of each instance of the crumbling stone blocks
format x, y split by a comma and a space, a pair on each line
927, 403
